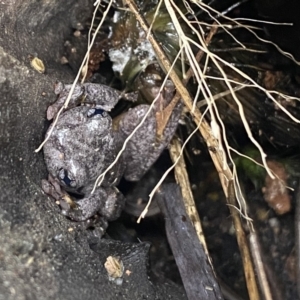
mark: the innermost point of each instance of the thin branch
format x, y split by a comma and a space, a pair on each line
259, 266
182, 180
243, 245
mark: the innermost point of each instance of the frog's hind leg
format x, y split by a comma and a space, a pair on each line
145, 147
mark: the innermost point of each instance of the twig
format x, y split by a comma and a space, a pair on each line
243, 245
259, 266
182, 180
86, 67
287, 54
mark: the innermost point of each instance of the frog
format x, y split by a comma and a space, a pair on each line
85, 141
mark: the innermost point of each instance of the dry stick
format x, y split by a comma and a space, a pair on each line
259, 266
212, 143
182, 179
86, 66
241, 239
265, 278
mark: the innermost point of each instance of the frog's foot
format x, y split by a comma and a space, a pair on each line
63, 92
53, 189
97, 95
108, 203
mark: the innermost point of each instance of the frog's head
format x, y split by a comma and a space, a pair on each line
80, 147
70, 172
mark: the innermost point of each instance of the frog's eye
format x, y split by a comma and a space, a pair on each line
63, 176
96, 111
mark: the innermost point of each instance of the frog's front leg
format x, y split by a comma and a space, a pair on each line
144, 148
107, 202
97, 95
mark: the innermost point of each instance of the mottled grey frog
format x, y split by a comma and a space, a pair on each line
85, 141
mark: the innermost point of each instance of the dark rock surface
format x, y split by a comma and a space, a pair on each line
43, 255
